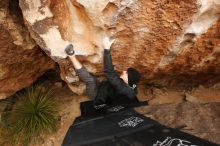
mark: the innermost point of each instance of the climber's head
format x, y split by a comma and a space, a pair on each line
131, 76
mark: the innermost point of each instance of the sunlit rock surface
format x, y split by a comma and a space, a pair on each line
21, 60
171, 42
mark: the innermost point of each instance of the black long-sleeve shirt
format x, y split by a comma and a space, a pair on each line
114, 89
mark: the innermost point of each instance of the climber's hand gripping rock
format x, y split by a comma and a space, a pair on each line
107, 42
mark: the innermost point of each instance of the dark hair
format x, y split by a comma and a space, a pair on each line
133, 76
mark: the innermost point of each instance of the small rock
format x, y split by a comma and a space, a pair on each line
165, 97
50, 142
158, 91
58, 84
79, 89
72, 71
216, 86
71, 79
191, 98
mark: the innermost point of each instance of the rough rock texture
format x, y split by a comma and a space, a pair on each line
172, 42
201, 120
21, 60
170, 95
204, 95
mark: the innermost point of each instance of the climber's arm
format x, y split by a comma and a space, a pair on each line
112, 76
77, 65
108, 66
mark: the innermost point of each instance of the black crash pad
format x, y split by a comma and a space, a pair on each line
89, 112
125, 127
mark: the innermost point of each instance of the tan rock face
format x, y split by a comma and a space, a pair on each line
21, 60
170, 42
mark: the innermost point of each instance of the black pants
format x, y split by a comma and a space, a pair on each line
90, 81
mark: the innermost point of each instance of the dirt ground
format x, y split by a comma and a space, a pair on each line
69, 109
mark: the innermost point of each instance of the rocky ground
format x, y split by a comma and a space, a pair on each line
173, 107
201, 120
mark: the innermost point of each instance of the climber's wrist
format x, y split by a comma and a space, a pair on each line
106, 48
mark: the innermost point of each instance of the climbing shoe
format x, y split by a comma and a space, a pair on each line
69, 50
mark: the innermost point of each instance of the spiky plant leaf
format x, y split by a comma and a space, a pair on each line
34, 114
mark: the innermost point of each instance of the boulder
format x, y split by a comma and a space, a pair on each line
21, 60
170, 42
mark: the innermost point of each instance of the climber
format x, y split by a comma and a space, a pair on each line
116, 88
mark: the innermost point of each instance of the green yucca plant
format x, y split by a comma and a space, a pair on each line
34, 114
